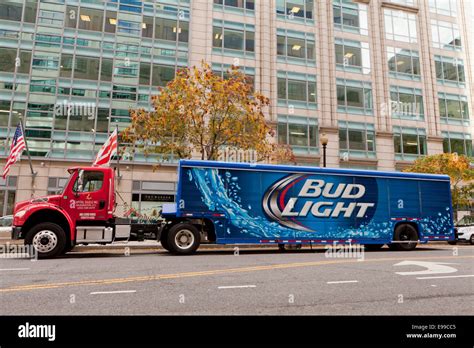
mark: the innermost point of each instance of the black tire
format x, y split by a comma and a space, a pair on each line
164, 242
373, 247
471, 240
183, 239
48, 239
404, 233
453, 242
281, 247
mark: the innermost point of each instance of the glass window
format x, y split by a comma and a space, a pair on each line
295, 9
443, 7
293, 47
404, 62
91, 181
296, 90
165, 29
30, 10
71, 17
86, 68
243, 4
11, 10
445, 35
409, 143
400, 26
162, 74
356, 137
50, 17
106, 70
354, 95
145, 71
457, 143
449, 69
349, 16
147, 27
303, 134
110, 22
7, 59
90, 19
233, 39
406, 102
454, 107
67, 65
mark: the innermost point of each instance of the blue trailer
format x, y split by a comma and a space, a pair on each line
245, 203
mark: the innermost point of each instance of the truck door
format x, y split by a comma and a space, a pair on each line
88, 199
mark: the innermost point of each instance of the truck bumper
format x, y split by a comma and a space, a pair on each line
16, 233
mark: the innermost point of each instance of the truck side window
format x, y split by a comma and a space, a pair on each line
92, 181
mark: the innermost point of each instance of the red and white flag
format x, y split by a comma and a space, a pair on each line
17, 147
107, 150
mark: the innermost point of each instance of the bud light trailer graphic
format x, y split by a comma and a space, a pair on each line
259, 203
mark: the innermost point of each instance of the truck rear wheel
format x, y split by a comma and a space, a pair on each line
407, 234
48, 239
183, 239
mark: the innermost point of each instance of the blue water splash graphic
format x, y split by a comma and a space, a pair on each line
217, 198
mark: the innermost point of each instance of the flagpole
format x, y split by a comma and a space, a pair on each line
26, 146
118, 154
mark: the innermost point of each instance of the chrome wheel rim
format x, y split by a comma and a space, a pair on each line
184, 239
45, 241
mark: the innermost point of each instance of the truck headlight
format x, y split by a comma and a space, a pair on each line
20, 214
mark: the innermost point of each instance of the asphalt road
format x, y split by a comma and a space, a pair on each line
262, 281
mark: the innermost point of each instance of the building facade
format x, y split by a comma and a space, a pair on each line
386, 81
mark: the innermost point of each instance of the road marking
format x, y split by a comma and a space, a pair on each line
14, 269
109, 281
113, 292
431, 267
443, 277
236, 286
343, 281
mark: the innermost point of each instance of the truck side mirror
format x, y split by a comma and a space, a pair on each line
80, 182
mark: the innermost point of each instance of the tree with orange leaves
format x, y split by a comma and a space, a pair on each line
459, 169
199, 111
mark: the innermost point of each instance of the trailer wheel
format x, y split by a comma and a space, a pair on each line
48, 239
183, 239
404, 233
373, 247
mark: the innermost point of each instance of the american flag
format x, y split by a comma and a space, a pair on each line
107, 150
17, 147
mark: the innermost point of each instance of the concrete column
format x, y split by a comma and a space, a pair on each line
200, 32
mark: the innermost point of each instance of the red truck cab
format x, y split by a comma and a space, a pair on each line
82, 213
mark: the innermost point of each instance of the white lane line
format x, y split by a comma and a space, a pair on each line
442, 277
113, 292
343, 282
236, 286
14, 269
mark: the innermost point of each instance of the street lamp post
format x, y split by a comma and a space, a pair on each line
324, 141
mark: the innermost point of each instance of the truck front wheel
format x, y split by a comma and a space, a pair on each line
48, 239
183, 239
